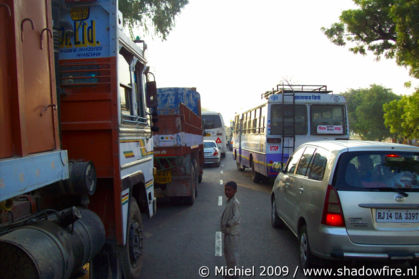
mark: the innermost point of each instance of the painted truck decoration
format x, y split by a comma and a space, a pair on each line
178, 145
76, 164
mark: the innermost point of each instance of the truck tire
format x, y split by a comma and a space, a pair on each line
132, 255
194, 182
198, 177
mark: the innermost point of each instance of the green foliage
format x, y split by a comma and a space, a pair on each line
402, 117
365, 111
387, 28
160, 14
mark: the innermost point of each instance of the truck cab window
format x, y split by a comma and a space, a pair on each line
125, 86
132, 81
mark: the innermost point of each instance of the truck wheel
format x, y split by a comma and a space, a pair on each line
194, 182
132, 256
197, 177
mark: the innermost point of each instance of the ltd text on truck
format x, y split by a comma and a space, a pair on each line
76, 149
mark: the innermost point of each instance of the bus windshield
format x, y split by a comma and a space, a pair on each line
327, 119
211, 121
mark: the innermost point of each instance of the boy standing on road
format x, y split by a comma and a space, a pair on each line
230, 221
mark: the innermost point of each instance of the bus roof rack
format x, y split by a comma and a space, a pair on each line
295, 89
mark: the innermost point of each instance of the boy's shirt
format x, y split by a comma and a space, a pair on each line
230, 219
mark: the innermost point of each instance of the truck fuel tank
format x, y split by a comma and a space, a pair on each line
54, 247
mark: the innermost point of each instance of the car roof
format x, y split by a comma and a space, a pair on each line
210, 141
337, 146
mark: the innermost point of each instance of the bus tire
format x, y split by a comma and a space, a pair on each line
239, 166
256, 177
132, 255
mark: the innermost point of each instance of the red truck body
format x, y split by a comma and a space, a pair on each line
178, 147
76, 148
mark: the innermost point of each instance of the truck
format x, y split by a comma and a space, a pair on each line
178, 143
76, 147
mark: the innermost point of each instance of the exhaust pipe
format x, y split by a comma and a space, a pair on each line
52, 249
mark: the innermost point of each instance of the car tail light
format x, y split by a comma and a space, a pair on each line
215, 152
332, 211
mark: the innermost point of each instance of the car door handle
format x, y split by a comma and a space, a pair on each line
301, 189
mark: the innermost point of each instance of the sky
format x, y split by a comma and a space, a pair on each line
232, 51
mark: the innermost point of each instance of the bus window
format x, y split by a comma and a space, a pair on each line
278, 110
254, 120
263, 119
327, 119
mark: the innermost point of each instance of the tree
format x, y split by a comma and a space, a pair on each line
365, 111
402, 117
160, 14
387, 28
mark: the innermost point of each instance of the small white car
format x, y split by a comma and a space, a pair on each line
212, 154
348, 199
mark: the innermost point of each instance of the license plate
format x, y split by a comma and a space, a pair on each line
163, 177
397, 216
207, 135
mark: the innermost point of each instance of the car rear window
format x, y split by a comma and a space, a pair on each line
381, 171
209, 144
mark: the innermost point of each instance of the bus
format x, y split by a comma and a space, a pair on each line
213, 125
287, 117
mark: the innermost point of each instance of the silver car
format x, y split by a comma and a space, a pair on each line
350, 200
212, 154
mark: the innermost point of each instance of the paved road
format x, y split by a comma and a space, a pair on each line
181, 239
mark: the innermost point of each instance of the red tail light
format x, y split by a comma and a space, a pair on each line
215, 152
392, 156
332, 211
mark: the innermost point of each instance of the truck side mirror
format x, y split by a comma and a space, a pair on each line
151, 94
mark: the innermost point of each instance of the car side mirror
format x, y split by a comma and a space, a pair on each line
151, 94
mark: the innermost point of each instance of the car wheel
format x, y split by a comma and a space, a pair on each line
307, 259
275, 220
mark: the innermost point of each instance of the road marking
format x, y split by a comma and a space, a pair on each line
220, 200
221, 182
218, 244
221, 171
